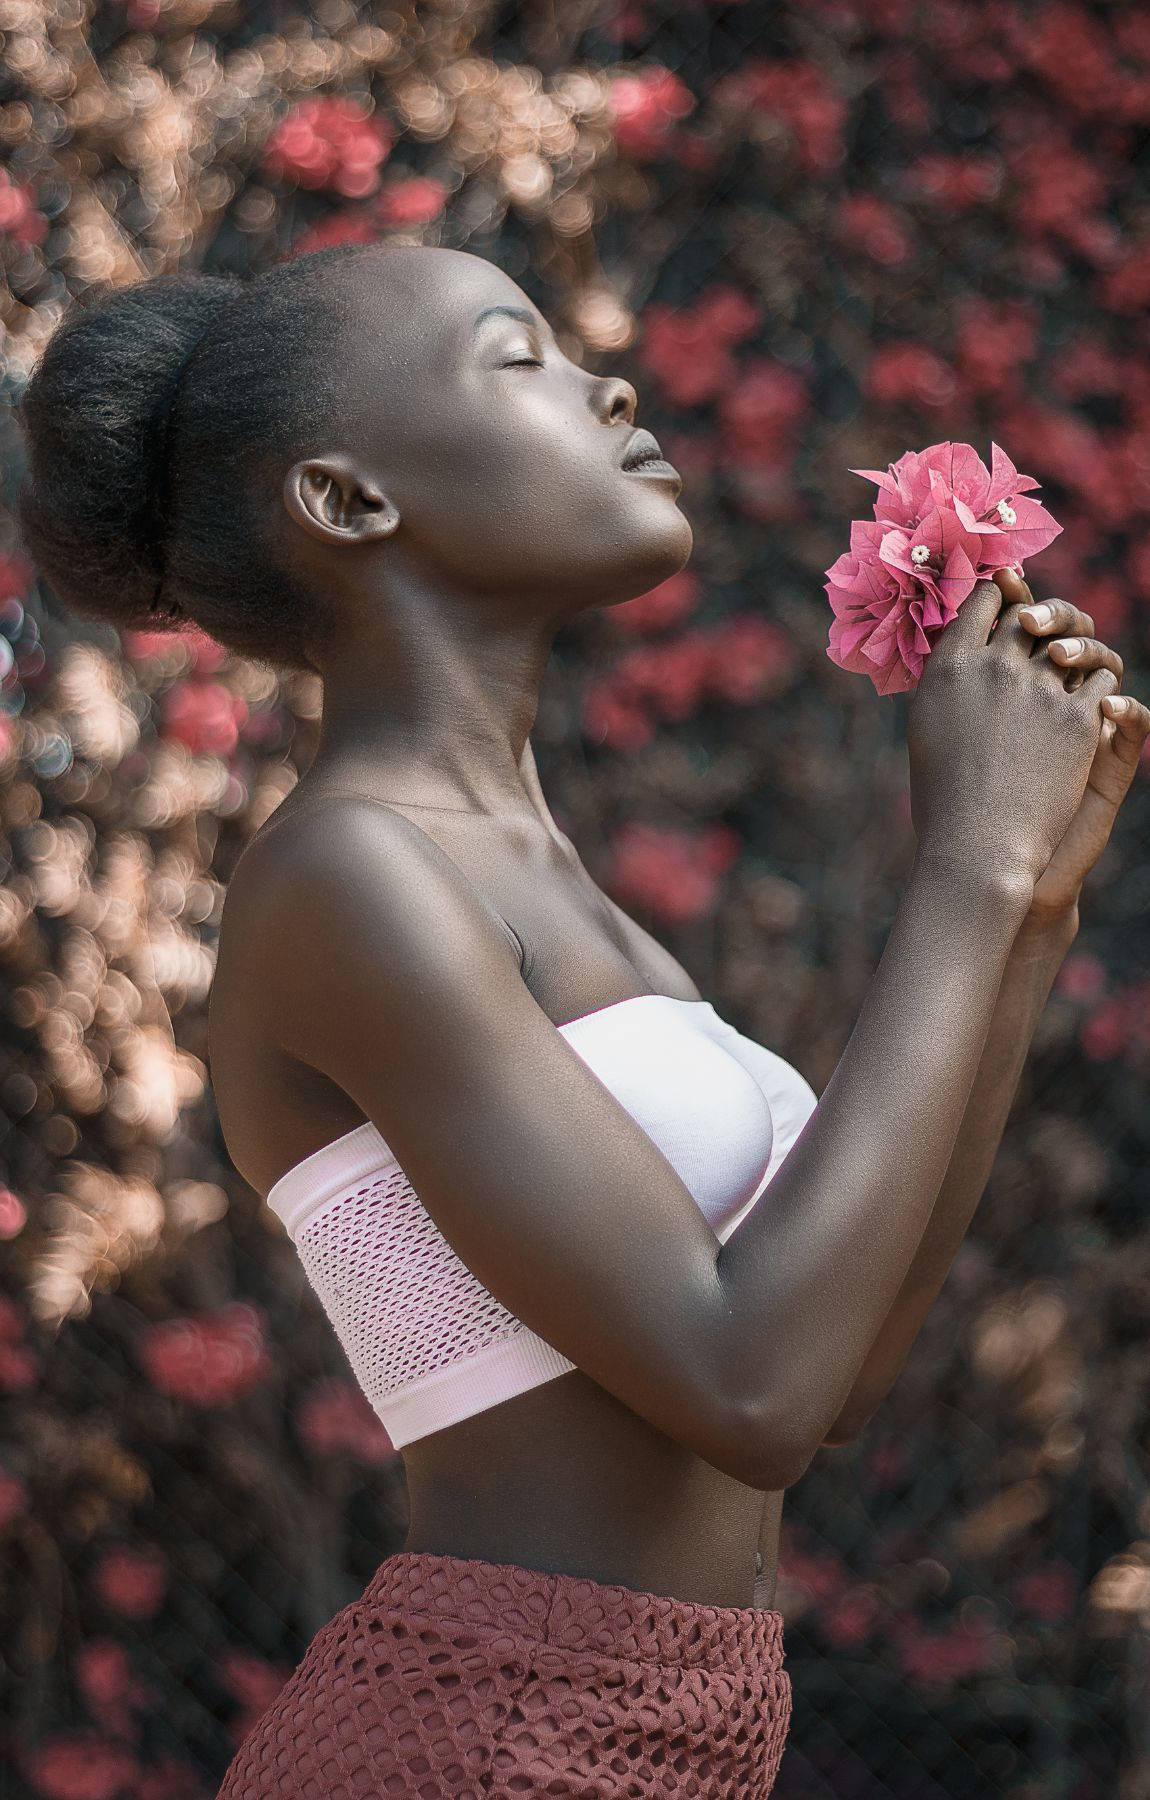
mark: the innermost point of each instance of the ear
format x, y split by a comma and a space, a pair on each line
335, 499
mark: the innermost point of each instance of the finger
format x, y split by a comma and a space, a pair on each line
1012, 637
1131, 725
972, 622
1056, 618
1012, 586
1084, 653
1099, 684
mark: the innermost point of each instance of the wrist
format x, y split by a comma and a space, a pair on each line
1044, 928
1007, 887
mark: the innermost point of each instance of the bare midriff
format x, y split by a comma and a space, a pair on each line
566, 1479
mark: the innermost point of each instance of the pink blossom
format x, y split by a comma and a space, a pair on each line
1049, 1591
204, 715
1126, 289
646, 108
255, 1684
131, 1579
347, 227
19, 217
995, 340
1081, 977
849, 1618
668, 604
105, 1679
888, 1462
13, 1215
210, 1359
169, 1780
330, 141
761, 414
18, 1369
412, 200
81, 1766
614, 715
750, 659
800, 95
907, 371
13, 1499
688, 349
335, 1416
673, 876
870, 225
945, 1656
942, 521
955, 183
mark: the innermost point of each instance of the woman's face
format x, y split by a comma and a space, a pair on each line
503, 457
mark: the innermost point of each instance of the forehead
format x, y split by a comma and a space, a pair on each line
429, 304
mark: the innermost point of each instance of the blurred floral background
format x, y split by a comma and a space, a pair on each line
813, 236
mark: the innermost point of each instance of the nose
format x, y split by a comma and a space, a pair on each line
618, 399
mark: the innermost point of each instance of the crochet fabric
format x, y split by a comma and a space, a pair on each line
456, 1679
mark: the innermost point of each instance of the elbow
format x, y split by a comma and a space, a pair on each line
767, 1456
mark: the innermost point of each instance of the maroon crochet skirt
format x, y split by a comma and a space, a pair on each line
456, 1679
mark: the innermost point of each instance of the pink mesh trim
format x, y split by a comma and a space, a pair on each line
426, 1341
456, 1679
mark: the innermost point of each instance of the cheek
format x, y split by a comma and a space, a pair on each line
530, 496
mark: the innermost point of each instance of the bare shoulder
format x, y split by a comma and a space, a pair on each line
360, 859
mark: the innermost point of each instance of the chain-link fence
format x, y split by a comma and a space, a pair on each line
813, 236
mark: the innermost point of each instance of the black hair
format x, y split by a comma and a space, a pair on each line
159, 424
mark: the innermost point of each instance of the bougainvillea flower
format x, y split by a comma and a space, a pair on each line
942, 522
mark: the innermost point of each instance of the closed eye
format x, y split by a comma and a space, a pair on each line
524, 362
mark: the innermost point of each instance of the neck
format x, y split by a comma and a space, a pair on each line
432, 706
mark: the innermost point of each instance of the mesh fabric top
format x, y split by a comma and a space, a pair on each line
427, 1342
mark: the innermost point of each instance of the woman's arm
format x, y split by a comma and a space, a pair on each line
818, 1266
1033, 963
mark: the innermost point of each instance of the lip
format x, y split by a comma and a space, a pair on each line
642, 443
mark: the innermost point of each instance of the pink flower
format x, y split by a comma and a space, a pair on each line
1049, 1591
105, 1678
335, 1416
750, 659
688, 349
80, 1767
205, 716
800, 95
131, 1579
210, 1359
412, 200
13, 1499
646, 107
675, 877
330, 141
906, 371
945, 1656
13, 1216
942, 521
663, 606
761, 414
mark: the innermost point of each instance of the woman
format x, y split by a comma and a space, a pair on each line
520, 1155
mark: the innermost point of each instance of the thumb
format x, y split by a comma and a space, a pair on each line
973, 621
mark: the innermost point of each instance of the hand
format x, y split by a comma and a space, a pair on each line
1124, 730
999, 748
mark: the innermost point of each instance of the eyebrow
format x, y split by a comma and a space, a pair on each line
511, 312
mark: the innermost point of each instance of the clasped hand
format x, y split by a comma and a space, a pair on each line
1069, 641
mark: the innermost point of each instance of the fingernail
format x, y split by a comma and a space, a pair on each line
1118, 703
1072, 646
1041, 615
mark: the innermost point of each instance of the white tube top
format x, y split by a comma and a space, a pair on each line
427, 1342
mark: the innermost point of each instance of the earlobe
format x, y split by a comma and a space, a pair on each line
334, 500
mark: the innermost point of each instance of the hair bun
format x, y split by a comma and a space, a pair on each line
95, 415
